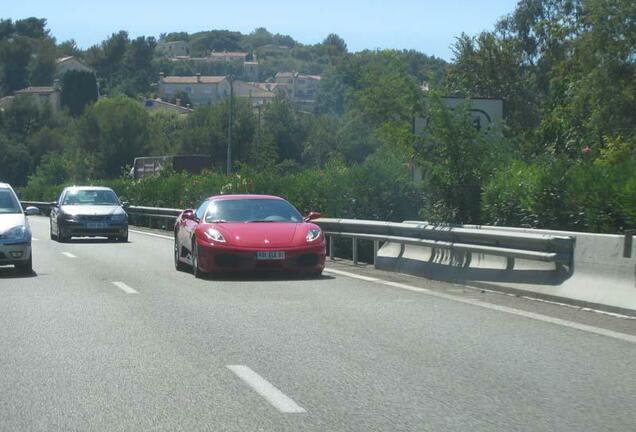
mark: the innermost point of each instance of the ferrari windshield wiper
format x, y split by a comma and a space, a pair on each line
216, 221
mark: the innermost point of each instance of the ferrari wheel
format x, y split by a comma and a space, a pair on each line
196, 271
178, 265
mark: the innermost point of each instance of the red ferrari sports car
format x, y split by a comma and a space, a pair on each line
248, 232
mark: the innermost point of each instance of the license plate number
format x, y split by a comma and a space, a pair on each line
270, 255
96, 225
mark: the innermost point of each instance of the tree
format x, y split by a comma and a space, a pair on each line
321, 143
79, 89
14, 161
490, 67
15, 55
115, 130
284, 129
334, 45
455, 158
205, 131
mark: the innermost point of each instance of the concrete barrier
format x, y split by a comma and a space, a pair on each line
602, 274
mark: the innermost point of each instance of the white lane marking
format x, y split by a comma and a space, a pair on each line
125, 288
531, 315
264, 388
35, 239
151, 234
68, 254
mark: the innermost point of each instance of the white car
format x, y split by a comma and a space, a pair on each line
15, 231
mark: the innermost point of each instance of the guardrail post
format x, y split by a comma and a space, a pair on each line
331, 251
355, 251
627, 246
376, 247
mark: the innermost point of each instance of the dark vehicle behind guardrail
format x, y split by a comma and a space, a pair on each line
152, 165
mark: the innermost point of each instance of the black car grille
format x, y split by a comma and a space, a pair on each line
227, 260
95, 218
307, 260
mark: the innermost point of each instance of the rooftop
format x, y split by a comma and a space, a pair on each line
182, 109
64, 59
228, 54
193, 79
36, 90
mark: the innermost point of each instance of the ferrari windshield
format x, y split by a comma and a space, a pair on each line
8, 202
252, 210
90, 197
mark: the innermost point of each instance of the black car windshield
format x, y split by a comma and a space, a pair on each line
252, 210
90, 197
8, 202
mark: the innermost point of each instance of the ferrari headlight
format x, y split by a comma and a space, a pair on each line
214, 235
313, 234
19, 232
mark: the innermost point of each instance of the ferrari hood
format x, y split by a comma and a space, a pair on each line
259, 234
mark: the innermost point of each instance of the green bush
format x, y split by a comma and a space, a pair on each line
378, 189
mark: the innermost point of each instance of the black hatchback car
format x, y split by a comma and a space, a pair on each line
88, 211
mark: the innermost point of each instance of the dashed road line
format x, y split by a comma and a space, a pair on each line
69, 255
531, 315
271, 394
125, 288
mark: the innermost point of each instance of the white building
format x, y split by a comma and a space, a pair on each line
173, 49
202, 90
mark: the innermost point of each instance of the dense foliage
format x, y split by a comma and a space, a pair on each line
564, 156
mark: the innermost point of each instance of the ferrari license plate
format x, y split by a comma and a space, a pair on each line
270, 255
95, 225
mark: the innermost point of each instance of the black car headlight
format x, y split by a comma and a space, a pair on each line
119, 218
70, 218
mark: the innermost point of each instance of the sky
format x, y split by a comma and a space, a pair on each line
429, 26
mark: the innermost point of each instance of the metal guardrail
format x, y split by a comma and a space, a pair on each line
165, 216
537, 247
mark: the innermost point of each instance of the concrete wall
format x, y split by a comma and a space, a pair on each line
600, 275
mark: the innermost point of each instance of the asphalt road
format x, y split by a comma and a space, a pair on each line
109, 337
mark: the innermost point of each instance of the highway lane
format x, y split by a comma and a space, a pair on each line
79, 352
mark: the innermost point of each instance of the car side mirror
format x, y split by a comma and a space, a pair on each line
31, 211
125, 204
312, 216
189, 215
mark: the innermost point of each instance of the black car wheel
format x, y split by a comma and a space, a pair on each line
178, 265
26, 267
62, 237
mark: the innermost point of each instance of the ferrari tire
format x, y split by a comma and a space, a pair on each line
196, 270
178, 265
